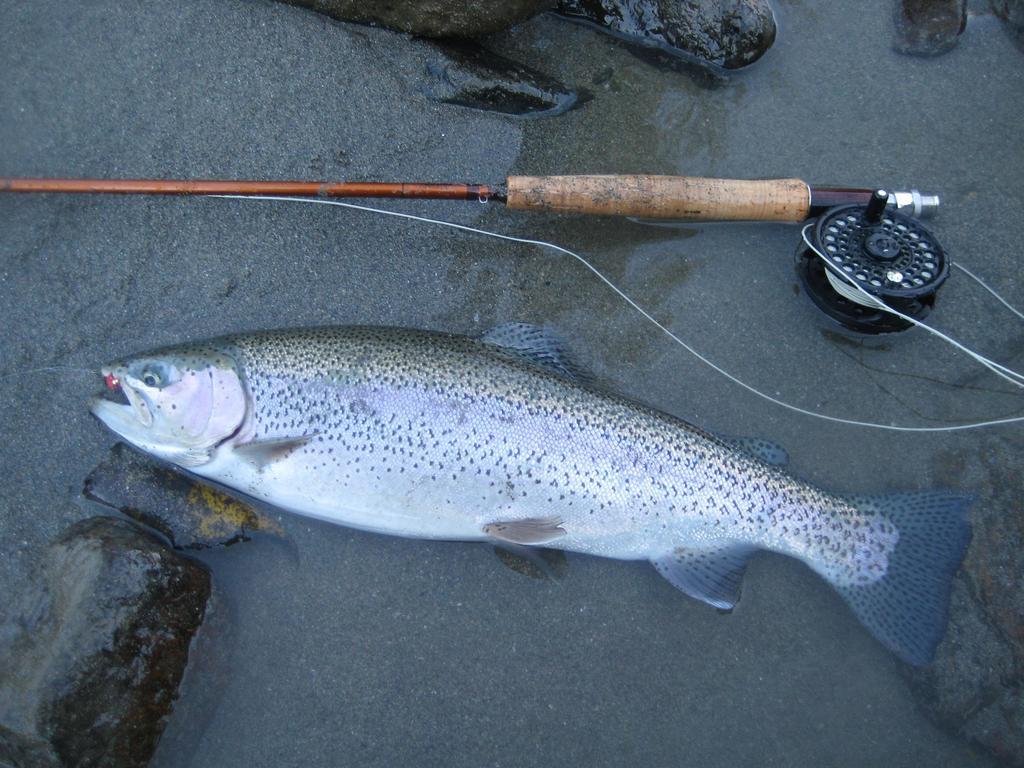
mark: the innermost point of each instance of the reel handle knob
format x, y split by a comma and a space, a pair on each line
876, 206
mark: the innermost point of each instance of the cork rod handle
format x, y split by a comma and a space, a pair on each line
663, 197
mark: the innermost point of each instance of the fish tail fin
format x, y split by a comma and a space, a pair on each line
908, 608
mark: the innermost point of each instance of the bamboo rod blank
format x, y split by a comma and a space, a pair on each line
230, 187
644, 196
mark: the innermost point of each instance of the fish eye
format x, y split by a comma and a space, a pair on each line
152, 376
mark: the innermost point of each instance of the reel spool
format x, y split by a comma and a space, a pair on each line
889, 254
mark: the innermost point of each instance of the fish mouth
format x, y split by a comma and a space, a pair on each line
120, 407
113, 393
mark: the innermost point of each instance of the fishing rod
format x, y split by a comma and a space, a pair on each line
871, 237
686, 198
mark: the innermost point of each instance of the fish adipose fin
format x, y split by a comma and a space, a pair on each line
765, 450
530, 530
264, 452
711, 575
537, 346
908, 608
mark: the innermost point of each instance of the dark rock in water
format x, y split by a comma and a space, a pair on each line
472, 76
92, 658
723, 33
186, 512
929, 27
1011, 12
432, 18
975, 687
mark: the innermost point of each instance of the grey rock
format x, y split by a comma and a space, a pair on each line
1011, 12
189, 514
469, 75
975, 687
208, 674
432, 18
25, 752
91, 660
929, 27
723, 33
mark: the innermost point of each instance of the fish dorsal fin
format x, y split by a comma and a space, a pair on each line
711, 575
536, 345
765, 450
264, 452
529, 530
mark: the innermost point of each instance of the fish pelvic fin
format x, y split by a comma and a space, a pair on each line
529, 531
907, 609
713, 575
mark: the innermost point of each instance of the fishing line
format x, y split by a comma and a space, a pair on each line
985, 285
45, 369
640, 310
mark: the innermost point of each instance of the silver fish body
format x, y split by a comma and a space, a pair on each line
430, 435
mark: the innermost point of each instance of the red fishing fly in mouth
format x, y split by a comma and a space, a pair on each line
112, 382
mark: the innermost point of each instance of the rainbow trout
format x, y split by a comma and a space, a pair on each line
501, 438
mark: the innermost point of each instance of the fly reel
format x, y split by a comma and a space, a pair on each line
853, 250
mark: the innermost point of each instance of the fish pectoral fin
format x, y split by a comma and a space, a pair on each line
264, 452
713, 575
529, 530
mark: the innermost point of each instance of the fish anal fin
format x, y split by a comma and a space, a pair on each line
529, 530
713, 575
264, 452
